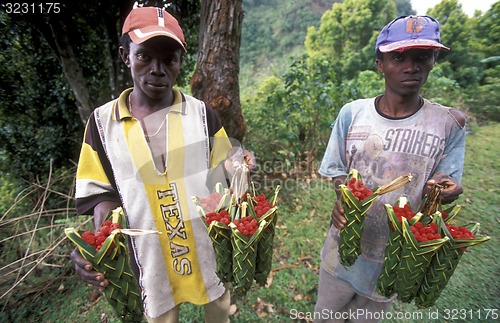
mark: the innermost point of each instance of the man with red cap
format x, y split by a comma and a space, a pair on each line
396, 133
150, 151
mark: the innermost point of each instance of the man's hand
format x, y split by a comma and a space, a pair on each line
450, 188
338, 219
84, 269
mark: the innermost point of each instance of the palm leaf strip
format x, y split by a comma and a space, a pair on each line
415, 259
244, 258
385, 283
445, 262
354, 213
113, 261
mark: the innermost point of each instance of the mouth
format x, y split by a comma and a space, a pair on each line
411, 82
157, 84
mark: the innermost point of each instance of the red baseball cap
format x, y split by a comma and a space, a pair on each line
144, 23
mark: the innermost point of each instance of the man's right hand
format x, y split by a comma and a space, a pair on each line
85, 270
338, 219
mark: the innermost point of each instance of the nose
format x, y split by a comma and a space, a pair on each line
413, 66
157, 67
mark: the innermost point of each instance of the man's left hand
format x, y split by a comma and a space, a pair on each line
236, 156
451, 189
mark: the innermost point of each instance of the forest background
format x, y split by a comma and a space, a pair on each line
299, 62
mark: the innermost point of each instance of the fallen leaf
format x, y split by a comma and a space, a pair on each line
298, 297
262, 308
269, 281
93, 296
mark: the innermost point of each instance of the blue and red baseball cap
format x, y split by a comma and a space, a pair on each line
407, 32
143, 23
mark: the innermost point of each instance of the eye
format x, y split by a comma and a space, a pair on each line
171, 60
142, 56
398, 57
425, 56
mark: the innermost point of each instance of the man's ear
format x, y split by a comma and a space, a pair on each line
124, 55
378, 62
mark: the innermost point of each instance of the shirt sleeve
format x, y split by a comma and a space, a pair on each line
334, 160
452, 162
94, 177
219, 146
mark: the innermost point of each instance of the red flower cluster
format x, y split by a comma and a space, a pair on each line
246, 225
262, 205
210, 202
97, 239
358, 189
403, 212
221, 216
425, 233
459, 232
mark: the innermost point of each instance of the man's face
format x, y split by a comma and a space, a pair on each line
406, 72
154, 65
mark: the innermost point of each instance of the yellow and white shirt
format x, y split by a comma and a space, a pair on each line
117, 164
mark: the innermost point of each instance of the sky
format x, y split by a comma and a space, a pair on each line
468, 6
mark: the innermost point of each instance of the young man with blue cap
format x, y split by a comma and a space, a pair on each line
396, 133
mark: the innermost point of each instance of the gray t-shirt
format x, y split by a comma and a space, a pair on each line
381, 149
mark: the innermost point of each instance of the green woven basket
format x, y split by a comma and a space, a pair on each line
113, 261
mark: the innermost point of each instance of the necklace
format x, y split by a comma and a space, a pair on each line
145, 126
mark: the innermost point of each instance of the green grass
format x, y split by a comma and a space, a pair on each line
303, 223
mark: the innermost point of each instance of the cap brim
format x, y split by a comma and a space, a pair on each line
411, 43
139, 36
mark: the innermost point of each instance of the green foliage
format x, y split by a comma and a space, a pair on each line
457, 32
33, 253
265, 37
347, 35
269, 43
38, 120
288, 118
484, 99
442, 89
367, 84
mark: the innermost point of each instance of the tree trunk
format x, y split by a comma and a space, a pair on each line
216, 78
71, 69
